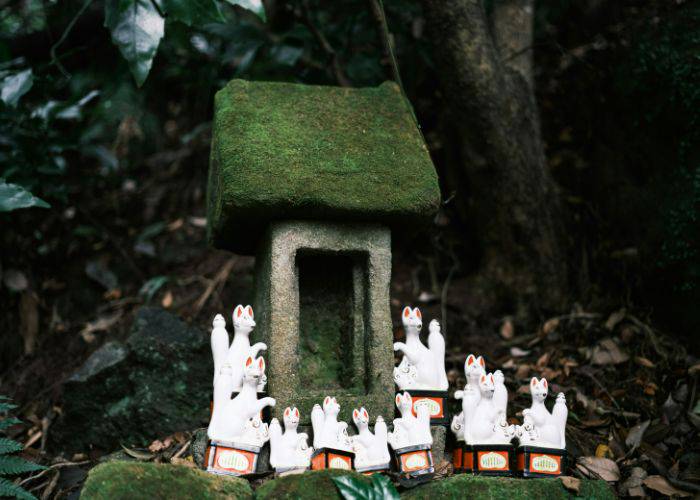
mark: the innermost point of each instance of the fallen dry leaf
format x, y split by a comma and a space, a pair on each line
517, 352
187, 462
138, 455
599, 467
15, 280
607, 352
101, 324
571, 483
29, 320
646, 363
635, 435
661, 484
542, 361
615, 318
603, 451
694, 369
550, 325
167, 300
507, 329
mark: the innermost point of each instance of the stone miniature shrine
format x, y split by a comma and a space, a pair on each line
314, 181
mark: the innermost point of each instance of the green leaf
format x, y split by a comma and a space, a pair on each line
8, 422
15, 86
193, 12
137, 29
14, 197
255, 6
9, 466
383, 488
9, 489
352, 488
9, 446
149, 288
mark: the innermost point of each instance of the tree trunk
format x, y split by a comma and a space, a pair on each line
485, 69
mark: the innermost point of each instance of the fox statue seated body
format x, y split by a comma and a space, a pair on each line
540, 427
488, 423
370, 449
422, 368
328, 432
410, 429
233, 420
289, 449
239, 350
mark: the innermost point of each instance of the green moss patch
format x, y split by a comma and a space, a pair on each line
468, 486
309, 485
290, 151
122, 480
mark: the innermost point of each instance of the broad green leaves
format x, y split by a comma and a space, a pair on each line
14, 86
14, 197
255, 6
380, 488
137, 28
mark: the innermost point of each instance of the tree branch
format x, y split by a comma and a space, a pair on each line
340, 77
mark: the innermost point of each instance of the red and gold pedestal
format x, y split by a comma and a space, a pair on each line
414, 461
231, 459
534, 461
493, 459
330, 458
462, 458
434, 400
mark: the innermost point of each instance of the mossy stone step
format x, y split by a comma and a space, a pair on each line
469, 486
310, 485
139, 480
284, 151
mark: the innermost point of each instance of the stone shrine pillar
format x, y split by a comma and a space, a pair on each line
312, 181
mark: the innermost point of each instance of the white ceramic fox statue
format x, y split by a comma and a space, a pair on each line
410, 429
239, 350
422, 368
541, 428
328, 432
289, 449
488, 424
474, 368
230, 417
370, 449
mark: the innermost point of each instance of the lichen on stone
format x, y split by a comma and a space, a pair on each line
283, 150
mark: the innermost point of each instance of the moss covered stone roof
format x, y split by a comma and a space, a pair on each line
291, 151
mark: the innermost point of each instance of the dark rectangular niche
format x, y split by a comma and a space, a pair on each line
331, 321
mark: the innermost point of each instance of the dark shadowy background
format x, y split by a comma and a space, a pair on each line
617, 85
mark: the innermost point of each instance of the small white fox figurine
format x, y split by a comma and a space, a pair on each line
328, 432
370, 449
422, 368
230, 417
240, 348
289, 450
410, 429
489, 424
541, 428
474, 368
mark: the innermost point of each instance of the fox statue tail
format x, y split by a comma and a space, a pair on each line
436, 344
560, 413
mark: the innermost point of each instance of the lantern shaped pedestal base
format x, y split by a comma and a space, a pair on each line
493, 459
414, 461
330, 458
373, 469
434, 400
231, 459
462, 458
534, 461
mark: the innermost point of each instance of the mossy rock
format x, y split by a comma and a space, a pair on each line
468, 486
138, 480
291, 151
309, 485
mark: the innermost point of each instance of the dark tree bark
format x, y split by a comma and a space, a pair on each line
485, 69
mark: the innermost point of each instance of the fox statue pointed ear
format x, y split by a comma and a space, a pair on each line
470, 360
492, 378
398, 399
482, 362
261, 363
533, 381
417, 311
355, 414
407, 397
406, 312
296, 412
238, 311
327, 400
364, 412
483, 377
249, 310
248, 362
544, 382
287, 411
